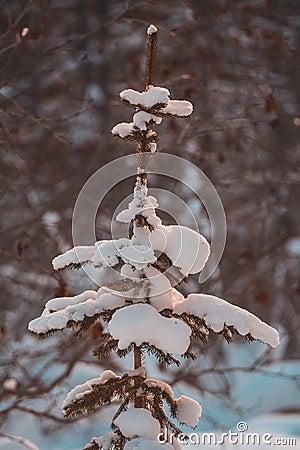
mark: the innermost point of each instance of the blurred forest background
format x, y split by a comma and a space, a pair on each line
62, 65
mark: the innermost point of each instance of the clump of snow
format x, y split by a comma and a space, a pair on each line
106, 254
153, 147
151, 29
147, 99
59, 311
217, 312
188, 411
123, 129
60, 303
186, 248
105, 442
139, 372
76, 255
142, 323
160, 291
137, 255
44, 324
141, 204
181, 108
86, 388
142, 118
138, 422
152, 382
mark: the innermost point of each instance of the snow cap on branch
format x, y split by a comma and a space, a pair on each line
135, 323
217, 313
138, 422
86, 388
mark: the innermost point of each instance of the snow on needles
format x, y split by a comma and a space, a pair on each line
188, 411
138, 422
151, 106
151, 29
135, 323
59, 311
147, 99
86, 388
217, 313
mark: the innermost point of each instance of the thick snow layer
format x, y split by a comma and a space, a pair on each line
188, 411
137, 255
74, 310
217, 312
130, 251
186, 248
86, 388
153, 96
151, 29
152, 382
60, 303
142, 118
145, 208
161, 294
146, 444
79, 254
138, 422
123, 129
142, 323
106, 254
181, 108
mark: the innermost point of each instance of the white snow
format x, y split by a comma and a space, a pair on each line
147, 99
153, 147
217, 312
142, 118
189, 411
106, 440
137, 255
141, 204
74, 310
123, 129
181, 108
106, 254
81, 390
138, 422
79, 254
60, 303
151, 29
152, 382
186, 248
139, 372
161, 294
142, 323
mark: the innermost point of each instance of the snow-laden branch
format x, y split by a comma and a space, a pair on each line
217, 313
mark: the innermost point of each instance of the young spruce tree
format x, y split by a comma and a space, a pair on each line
143, 312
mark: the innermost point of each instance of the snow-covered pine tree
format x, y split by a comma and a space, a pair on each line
143, 312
